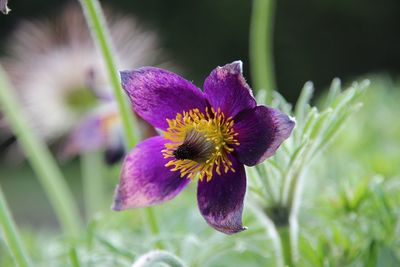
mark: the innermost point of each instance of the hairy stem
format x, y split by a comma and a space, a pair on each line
95, 19
73, 256
272, 233
11, 234
261, 46
41, 160
284, 234
153, 225
93, 182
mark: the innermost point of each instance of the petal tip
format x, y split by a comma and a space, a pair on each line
124, 74
118, 204
229, 230
287, 125
234, 67
292, 120
128, 76
116, 207
238, 65
241, 229
284, 126
226, 88
260, 133
220, 200
125, 78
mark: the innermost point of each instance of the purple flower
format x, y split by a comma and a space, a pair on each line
208, 136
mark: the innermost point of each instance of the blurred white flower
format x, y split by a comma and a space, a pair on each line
59, 74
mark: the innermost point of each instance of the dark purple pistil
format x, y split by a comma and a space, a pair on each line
196, 147
185, 151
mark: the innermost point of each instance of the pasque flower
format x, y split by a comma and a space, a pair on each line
62, 82
57, 72
206, 135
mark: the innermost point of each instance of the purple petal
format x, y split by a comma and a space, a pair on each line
158, 94
221, 200
88, 136
227, 89
145, 181
260, 132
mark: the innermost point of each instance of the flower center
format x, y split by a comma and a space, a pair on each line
80, 99
200, 143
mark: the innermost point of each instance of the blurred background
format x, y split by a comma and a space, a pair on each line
315, 40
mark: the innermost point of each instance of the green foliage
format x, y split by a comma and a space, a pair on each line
327, 176
158, 258
277, 180
354, 209
277, 183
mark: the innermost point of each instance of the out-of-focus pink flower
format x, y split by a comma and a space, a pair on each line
58, 73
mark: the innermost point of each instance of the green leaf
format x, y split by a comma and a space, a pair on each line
158, 258
333, 93
303, 102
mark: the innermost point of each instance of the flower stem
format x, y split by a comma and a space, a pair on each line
74, 259
41, 161
11, 234
153, 225
95, 19
261, 46
272, 232
93, 182
284, 234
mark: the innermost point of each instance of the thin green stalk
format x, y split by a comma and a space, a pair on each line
261, 46
272, 231
73, 256
95, 19
11, 234
93, 182
41, 161
284, 234
153, 225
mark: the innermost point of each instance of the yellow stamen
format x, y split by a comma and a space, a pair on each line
209, 134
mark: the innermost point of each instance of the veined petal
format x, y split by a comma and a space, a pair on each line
158, 94
220, 200
260, 132
145, 181
227, 89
